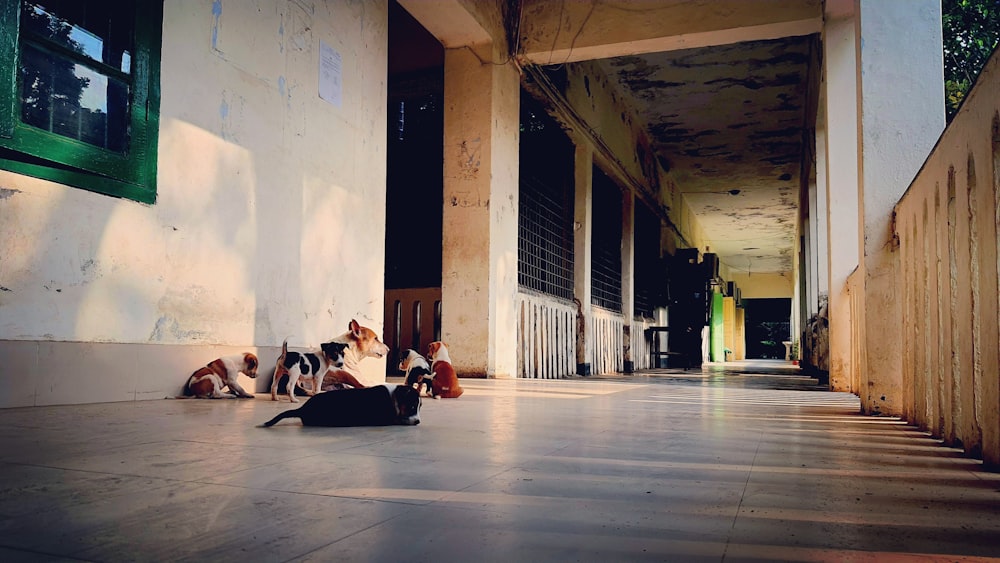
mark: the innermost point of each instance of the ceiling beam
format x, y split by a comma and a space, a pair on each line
569, 31
450, 21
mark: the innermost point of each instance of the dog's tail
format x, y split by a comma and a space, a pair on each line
284, 352
287, 414
279, 364
188, 393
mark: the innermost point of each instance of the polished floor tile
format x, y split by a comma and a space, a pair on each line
662, 466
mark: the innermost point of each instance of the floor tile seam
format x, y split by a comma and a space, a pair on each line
42, 553
449, 494
743, 494
96, 472
306, 494
301, 556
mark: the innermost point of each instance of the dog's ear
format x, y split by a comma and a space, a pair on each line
332, 349
251, 361
355, 328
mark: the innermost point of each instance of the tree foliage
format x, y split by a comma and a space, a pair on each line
971, 29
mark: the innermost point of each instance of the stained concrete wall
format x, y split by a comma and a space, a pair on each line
947, 268
269, 220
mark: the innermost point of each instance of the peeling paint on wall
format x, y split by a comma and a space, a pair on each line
167, 329
216, 13
469, 159
6, 193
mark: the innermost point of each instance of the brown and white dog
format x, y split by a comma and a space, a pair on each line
445, 382
362, 342
418, 371
207, 382
311, 365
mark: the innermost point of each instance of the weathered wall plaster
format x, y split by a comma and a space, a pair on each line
270, 211
897, 133
946, 275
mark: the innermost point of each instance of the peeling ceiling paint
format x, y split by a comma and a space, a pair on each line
728, 118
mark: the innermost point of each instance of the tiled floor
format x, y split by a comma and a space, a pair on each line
670, 466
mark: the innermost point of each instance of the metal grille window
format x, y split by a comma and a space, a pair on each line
606, 244
545, 205
647, 260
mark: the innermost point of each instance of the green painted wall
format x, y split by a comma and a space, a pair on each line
718, 348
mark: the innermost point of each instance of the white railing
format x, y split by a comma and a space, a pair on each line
546, 337
607, 329
947, 225
641, 343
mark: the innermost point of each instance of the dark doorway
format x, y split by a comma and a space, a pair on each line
767, 327
414, 164
414, 186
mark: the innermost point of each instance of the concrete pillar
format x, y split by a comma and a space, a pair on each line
628, 277
479, 261
740, 352
583, 208
818, 219
841, 115
729, 327
812, 254
897, 133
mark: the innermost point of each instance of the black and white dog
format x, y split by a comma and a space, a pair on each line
418, 371
381, 405
306, 365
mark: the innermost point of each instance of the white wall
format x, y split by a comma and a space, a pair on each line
269, 220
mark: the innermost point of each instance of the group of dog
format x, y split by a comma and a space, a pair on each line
336, 397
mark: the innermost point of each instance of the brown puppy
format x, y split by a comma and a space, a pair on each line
445, 382
362, 342
207, 382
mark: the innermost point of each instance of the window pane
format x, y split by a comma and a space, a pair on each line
98, 30
72, 100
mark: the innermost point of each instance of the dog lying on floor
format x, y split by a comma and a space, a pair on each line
445, 382
362, 342
381, 405
418, 371
207, 382
306, 366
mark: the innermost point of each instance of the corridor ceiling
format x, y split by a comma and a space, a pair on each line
725, 89
729, 122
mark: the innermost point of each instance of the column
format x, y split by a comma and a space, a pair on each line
479, 261
902, 116
583, 174
841, 118
628, 276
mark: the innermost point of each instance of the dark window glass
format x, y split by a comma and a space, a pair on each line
75, 60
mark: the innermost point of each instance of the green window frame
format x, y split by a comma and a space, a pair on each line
128, 171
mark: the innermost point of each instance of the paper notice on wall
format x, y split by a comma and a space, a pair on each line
330, 74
